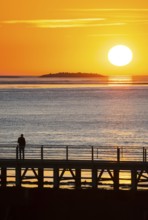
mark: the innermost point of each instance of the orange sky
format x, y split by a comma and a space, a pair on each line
39, 37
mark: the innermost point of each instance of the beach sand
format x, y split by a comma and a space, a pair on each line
45, 204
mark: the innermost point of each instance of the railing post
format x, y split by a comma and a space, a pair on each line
42, 153
143, 154
17, 152
92, 153
66, 152
118, 154
97, 153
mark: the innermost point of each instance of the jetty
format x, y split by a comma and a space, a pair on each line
76, 167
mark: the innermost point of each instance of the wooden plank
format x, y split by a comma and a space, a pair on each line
35, 173
62, 173
111, 175
24, 173
99, 177
72, 173
138, 170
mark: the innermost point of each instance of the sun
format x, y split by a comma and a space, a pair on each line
120, 55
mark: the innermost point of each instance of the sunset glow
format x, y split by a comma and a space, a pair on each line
41, 37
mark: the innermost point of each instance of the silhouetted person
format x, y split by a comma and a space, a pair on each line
22, 143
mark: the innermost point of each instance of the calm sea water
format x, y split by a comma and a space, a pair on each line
74, 114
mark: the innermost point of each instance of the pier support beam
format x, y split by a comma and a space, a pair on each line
40, 178
3, 177
116, 180
18, 177
78, 179
134, 180
56, 178
94, 178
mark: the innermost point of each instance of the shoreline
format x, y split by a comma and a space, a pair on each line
33, 203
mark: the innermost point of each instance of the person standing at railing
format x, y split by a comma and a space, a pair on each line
22, 143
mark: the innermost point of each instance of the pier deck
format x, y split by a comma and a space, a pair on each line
90, 170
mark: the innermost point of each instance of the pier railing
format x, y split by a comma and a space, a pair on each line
92, 153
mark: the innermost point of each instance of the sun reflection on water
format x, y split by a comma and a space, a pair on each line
119, 80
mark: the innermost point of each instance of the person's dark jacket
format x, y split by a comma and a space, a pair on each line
21, 142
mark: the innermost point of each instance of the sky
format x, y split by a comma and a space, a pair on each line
44, 36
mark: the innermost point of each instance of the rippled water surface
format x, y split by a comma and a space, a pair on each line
75, 115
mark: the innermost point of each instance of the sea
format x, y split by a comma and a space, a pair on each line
57, 113
66, 111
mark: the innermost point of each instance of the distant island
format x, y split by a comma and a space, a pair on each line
10, 76
68, 74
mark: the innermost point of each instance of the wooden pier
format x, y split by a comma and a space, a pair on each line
92, 168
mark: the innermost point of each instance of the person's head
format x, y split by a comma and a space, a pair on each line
22, 135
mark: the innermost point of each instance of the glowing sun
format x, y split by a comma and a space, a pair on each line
120, 55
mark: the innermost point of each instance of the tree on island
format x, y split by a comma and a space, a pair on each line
68, 74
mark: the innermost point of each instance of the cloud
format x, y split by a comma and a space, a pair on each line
105, 9
91, 18
137, 21
64, 23
106, 35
